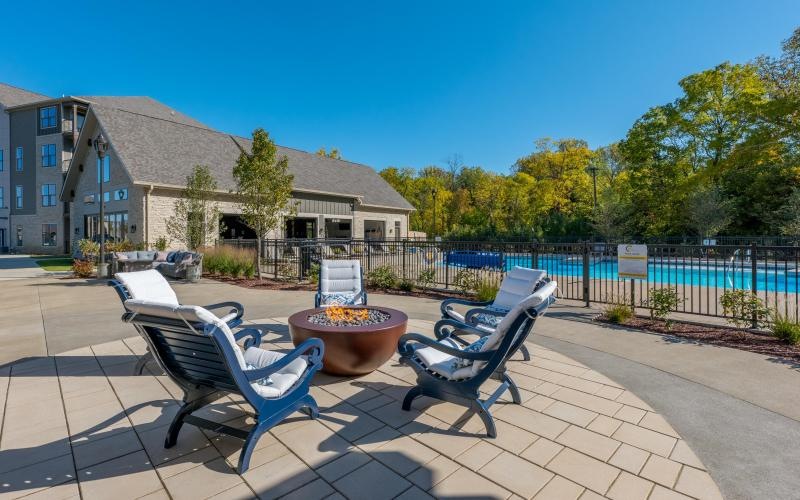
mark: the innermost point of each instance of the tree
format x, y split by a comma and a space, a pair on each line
195, 220
707, 211
333, 153
264, 187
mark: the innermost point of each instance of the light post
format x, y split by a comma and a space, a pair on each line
101, 147
433, 195
593, 170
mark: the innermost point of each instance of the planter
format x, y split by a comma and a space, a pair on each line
102, 270
193, 273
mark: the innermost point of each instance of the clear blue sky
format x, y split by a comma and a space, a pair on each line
391, 83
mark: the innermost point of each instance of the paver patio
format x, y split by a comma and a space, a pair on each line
79, 423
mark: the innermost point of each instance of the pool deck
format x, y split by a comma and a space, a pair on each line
615, 413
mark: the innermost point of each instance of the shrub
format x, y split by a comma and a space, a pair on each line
487, 289
229, 261
382, 277
743, 308
82, 268
406, 285
662, 301
426, 278
786, 329
618, 313
313, 273
120, 246
89, 249
466, 281
161, 243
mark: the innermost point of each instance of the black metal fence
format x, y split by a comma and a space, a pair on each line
700, 274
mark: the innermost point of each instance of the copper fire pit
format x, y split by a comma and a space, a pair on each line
352, 349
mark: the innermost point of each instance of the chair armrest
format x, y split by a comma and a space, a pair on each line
236, 309
363, 296
255, 337
314, 345
457, 326
480, 310
446, 304
317, 300
405, 348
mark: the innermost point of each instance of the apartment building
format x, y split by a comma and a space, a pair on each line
50, 176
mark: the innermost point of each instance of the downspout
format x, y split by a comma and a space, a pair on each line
147, 216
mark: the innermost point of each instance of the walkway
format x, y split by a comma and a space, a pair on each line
14, 267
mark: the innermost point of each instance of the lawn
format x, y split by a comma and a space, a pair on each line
55, 264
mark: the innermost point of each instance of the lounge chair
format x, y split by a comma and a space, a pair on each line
151, 285
518, 283
452, 370
199, 352
341, 282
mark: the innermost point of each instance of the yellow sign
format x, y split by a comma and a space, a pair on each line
632, 261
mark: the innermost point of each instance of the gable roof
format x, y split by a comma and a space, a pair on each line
15, 96
164, 152
143, 105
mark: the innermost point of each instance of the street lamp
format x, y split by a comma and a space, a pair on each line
592, 168
101, 147
433, 194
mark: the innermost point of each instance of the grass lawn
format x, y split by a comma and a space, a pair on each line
55, 264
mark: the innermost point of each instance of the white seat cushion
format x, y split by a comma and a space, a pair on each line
280, 381
518, 284
449, 367
340, 276
148, 285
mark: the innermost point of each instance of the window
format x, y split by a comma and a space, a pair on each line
2, 198
2, 163
19, 196
121, 194
106, 169
19, 158
49, 232
48, 155
19, 236
48, 195
47, 117
116, 226
81, 119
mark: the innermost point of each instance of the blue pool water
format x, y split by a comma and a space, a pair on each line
772, 278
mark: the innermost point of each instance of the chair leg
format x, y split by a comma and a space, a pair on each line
310, 406
250, 444
177, 422
410, 395
487, 419
143, 360
526, 354
513, 389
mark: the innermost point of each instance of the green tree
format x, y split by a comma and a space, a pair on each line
708, 212
195, 219
264, 187
333, 153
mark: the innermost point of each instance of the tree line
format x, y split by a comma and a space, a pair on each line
722, 158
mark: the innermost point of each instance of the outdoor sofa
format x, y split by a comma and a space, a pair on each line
173, 264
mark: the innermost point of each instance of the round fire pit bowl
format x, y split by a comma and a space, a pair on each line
352, 349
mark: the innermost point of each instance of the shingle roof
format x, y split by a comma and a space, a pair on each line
143, 105
159, 151
15, 96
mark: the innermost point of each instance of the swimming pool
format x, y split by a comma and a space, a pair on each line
774, 278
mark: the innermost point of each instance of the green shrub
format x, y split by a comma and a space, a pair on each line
229, 261
743, 308
313, 273
618, 313
662, 301
82, 268
786, 329
406, 285
382, 277
487, 289
426, 278
89, 249
466, 281
161, 243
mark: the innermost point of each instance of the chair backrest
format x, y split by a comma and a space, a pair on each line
148, 285
516, 325
340, 276
518, 284
191, 343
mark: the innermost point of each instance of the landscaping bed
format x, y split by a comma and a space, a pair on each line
748, 340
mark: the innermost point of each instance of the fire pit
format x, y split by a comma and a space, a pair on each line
357, 339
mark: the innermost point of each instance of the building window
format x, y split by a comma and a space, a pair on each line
19, 236
116, 226
48, 155
2, 198
19, 196
47, 117
2, 162
20, 155
120, 194
106, 169
81, 119
49, 232
48, 195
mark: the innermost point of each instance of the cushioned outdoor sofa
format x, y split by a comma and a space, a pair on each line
173, 264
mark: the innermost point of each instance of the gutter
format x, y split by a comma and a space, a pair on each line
147, 216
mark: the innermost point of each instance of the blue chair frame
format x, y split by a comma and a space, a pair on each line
205, 367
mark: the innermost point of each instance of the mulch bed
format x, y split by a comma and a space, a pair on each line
746, 340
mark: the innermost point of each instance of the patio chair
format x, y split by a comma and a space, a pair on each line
518, 283
199, 352
452, 370
151, 285
341, 283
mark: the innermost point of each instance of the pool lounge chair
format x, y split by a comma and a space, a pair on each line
452, 370
151, 285
199, 352
518, 283
341, 282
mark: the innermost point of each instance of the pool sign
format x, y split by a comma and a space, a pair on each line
632, 261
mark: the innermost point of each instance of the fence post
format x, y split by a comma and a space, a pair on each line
586, 273
446, 258
275, 259
754, 278
369, 256
404, 259
534, 256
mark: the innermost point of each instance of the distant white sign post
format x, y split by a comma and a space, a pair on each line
632, 264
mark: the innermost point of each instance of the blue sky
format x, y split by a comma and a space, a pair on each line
392, 83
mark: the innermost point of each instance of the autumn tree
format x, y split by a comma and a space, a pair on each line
195, 219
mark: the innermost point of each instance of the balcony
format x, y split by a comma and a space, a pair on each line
66, 126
